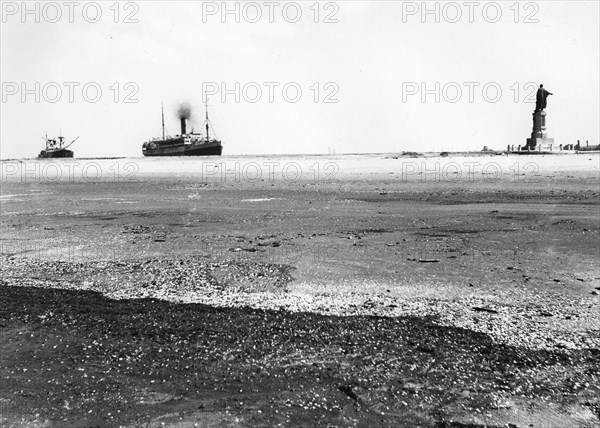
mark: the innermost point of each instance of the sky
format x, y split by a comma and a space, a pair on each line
297, 77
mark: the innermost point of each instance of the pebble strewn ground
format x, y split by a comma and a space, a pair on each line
76, 358
536, 324
363, 299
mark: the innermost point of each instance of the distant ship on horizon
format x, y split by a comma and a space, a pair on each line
185, 144
55, 148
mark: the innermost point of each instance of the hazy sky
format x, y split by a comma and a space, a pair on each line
373, 58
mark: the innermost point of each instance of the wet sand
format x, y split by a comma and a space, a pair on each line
374, 290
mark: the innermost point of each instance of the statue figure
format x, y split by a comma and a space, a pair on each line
540, 98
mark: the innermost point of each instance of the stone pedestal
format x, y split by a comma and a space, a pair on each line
539, 138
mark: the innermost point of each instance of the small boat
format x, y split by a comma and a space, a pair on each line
55, 148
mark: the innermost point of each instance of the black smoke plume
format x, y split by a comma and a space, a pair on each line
184, 111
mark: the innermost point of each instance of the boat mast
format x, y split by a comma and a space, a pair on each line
206, 110
162, 111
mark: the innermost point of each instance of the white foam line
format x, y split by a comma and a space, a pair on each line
12, 196
259, 200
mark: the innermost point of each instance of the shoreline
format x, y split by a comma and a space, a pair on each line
297, 155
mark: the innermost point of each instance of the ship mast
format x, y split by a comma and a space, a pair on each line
206, 110
162, 111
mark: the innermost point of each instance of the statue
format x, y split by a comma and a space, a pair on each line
539, 137
540, 98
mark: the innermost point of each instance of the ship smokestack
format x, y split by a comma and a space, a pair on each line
184, 112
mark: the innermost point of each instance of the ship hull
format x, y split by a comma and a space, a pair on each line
183, 150
60, 153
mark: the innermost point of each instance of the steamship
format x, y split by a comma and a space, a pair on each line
55, 148
185, 144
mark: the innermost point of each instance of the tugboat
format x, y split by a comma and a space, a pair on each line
55, 148
186, 144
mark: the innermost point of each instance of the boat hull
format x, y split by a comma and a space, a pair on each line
183, 150
59, 153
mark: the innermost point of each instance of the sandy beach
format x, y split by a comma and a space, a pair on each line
341, 290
